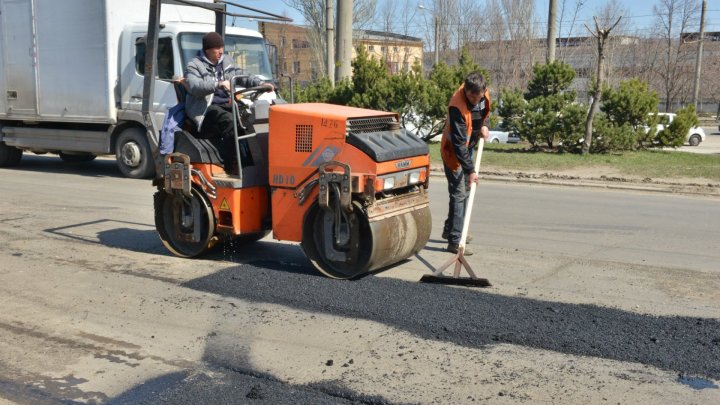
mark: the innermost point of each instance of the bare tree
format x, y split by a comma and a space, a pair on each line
470, 23
388, 20
578, 5
445, 11
363, 13
673, 19
407, 17
610, 14
641, 54
511, 45
601, 35
313, 12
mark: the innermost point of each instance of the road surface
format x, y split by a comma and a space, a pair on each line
597, 296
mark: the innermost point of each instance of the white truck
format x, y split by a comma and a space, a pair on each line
71, 75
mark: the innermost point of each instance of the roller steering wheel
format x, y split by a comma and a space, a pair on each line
254, 92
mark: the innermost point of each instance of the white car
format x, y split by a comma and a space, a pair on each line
695, 136
497, 135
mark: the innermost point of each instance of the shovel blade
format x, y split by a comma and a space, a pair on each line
462, 281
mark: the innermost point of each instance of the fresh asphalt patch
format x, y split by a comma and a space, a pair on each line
232, 386
474, 318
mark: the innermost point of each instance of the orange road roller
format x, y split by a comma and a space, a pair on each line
348, 183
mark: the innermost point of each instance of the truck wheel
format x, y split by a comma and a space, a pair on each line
79, 158
133, 154
9, 155
695, 140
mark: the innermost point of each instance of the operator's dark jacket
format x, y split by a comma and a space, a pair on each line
202, 83
462, 118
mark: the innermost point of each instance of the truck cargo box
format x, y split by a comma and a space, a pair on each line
59, 59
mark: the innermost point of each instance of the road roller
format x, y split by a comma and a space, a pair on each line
349, 184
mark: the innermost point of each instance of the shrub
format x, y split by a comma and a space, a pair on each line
608, 136
676, 133
424, 101
630, 103
546, 111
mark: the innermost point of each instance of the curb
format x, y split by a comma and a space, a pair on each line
607, 183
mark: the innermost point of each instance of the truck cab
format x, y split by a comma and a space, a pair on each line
71, 76
178, 43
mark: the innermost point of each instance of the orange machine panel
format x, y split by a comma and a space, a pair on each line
288, 214
302, 136
241, 211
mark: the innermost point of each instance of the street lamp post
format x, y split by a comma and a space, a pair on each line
436, 24
437, 38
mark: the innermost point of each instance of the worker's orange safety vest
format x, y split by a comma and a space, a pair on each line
459, 101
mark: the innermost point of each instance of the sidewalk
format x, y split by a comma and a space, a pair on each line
676, 186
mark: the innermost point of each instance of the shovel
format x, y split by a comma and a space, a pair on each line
458, 259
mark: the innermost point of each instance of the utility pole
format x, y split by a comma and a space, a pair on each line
330, 24
698, 60
437, 37
552, 32
344, 39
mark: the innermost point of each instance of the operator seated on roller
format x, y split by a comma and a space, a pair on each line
209, 95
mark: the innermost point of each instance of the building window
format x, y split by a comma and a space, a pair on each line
382, 49
300, 44
283, 41
392, 67
371, 48
395, 49
296, 66
582, 73
406, 66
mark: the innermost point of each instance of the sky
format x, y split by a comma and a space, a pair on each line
640, 12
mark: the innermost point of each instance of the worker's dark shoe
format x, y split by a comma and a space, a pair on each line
446, 236
453, 248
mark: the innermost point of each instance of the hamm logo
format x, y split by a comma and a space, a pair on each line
403, 164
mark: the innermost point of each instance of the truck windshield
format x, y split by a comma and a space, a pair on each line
247, 53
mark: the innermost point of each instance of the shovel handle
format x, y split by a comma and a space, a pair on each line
471, 197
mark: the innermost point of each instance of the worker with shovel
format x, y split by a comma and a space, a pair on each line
456, 155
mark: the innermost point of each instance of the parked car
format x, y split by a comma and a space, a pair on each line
695, 136
498, 135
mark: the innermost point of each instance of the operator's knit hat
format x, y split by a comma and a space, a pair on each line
212, 40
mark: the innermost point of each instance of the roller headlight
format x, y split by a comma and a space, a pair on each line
414, 177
